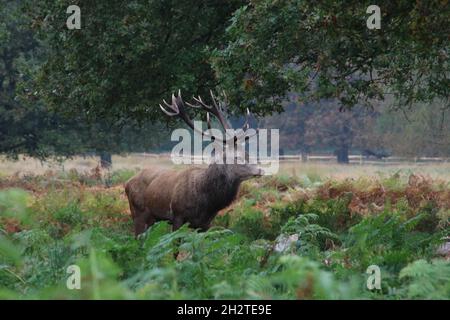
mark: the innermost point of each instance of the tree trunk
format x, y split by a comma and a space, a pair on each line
342, 155
105, 160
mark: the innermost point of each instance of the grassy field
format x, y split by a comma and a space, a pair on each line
309, 233
299, 169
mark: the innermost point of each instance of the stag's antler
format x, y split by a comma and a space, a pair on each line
216, 109
177, 109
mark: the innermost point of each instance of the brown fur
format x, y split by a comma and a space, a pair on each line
193, 195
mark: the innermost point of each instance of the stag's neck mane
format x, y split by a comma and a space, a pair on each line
221, 185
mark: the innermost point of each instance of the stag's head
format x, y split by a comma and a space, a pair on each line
230, 153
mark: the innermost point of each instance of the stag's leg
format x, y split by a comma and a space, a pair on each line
205, 228
132, 210
139, 225
206, 225
142, 222
150, 220
177, 223
138, 219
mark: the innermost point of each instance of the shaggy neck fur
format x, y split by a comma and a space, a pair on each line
221, 184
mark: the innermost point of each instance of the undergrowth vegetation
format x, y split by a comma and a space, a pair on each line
283, 238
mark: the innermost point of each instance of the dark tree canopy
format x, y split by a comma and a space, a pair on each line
324, 49
25, 125
128, 55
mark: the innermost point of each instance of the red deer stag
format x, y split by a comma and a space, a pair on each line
192, 195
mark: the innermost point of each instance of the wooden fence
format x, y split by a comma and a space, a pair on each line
353, 159
360, 159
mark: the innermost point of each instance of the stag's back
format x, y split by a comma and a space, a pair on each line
172, 188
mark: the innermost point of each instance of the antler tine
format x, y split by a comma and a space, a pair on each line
246, 125
193, 105
215, 110
202, 103
170, 105
173, 107
244, 128
170, 114
178, 109
174, 100
221, 105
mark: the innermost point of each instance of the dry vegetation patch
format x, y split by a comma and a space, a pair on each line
280, 239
